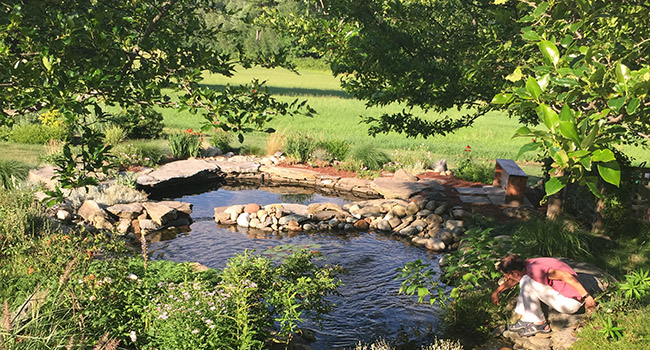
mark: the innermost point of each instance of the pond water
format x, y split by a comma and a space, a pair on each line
368, 307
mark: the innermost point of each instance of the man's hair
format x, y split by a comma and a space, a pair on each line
511, 263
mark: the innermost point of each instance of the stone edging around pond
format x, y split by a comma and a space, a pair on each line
425, 222
212, 170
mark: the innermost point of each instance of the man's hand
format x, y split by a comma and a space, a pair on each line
495, 298
590, 304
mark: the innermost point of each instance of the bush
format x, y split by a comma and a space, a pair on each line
414, 161
140, 122
37, 133
541, 237
185, 144
337, 149
370, 157
5, 133
12, 172
299, 147
128, 155
221, 140
114, 135
468, 169
275, 143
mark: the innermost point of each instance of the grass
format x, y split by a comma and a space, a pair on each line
635, 336
24, 153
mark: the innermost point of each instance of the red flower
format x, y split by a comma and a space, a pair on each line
468, 149
533, 140
189, 131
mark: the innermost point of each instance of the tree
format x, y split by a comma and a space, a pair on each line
80, 57
588, 81
427, 54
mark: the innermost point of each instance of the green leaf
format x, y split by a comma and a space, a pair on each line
550, 51
588, 141
622, 73
548, 116
516, 75
568, 130
592, 184
533, 88
566, 115
500, 2
633, 105
541, 8
501, 98
610, 172
603, 155
554, 185
616, 103
530, 35
529, 147
523, 131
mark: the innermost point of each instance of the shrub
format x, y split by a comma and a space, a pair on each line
468, 169
321, 154
185, 144
127, 179
370, 157
337, 149
541, 237
37, 133
221, 140
299, 147
114, 135
140, 122
116, 193
12, 172
415, 160
5, 133
127, 155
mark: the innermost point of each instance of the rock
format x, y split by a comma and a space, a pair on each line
369, 211
290, 173
148, 225
223, 218
262, 215
361, 225
333, 223
403, 175
319, 207
419, 240
308, 227
95, 215
445, 236
293, 225
243, 219
405, 222
348, 227
211, 152
325, 215
394, 222
409, 231
126, 211
435, 245
234, 211
181, 207
440, 209
383, 225
252, 208
395, 188
399, 211
45, 176
423, 213
254, 223
431, 205
179, 222
160, 213
441, 166
181, 172
457, 212
412, 209
63, 215
433, 219
124, 225
292, 217
453, 224
419, 224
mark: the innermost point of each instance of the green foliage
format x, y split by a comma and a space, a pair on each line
300, 147
472, 318
413, 159
370, 157
635, 323
610, 330
139, 122
37, 133
5, 133
636, 286
12, 172
221, 140
586, 91
540, 237
185, 144
127, 179
337, 149
133, 154
114, 135
468, 169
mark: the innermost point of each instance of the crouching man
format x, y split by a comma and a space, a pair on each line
541, 280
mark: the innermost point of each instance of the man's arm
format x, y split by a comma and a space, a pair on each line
569, 279
507, 284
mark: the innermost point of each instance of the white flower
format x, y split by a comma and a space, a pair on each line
133, 336
133, 276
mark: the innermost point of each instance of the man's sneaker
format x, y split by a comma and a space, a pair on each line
533, 329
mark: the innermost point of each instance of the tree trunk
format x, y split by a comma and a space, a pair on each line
599, 224
554, 206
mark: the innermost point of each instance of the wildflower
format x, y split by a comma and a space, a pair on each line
189, 131
195, 331
163, 316
133, 336
133, 277
468, 149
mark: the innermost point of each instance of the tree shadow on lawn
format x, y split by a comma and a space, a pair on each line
293, 91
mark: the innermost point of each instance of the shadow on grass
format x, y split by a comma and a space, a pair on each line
294, 91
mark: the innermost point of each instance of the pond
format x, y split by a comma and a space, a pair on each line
368, 307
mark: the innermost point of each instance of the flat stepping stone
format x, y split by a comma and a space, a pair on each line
475, 199
392, 188
494, 190
290, 173
180, 172
231, 168
470, 191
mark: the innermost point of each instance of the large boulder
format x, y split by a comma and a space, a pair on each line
181, 172
160, 213
396, 188
126, 211
95, 215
